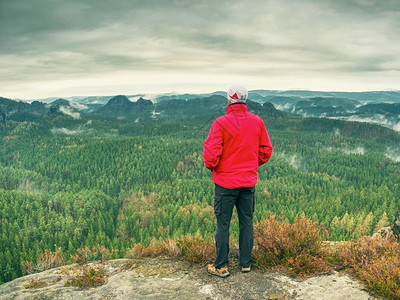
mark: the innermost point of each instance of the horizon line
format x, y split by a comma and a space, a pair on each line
202, 93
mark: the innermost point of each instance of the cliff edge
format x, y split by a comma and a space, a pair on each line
166, 278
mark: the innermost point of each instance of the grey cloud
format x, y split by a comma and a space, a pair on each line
49, 38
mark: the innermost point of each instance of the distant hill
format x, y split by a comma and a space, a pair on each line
61, 101
197, 106
255, 95
374, 96
38, 107
188, 96
334, 102
325, 106
380, 108
282, 100
10, 107
120, 105
22, 111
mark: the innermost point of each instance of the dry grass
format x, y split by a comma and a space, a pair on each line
138, 251
170, 248
295, 247
197, 249
35, 284
48, 259
86, 254
44, 261
89, 277
193, 248
376, 261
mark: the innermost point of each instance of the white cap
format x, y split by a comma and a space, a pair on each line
237, 93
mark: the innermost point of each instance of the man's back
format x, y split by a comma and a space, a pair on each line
237, 145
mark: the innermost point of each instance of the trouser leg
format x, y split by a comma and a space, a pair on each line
245, 210
224, 201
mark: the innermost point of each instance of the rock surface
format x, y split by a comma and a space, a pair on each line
385, 233
396, 225
166, 278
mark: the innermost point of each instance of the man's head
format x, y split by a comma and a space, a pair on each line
237, 94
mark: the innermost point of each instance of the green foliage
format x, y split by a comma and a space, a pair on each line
75, 184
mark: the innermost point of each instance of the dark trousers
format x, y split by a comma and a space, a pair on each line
224, 201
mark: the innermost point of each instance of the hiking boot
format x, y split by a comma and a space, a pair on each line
246, 269
222, 272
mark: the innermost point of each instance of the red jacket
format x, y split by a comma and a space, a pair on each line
238, 143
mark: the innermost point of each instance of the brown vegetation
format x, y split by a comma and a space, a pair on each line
87, 254
197, 249
296, 247
193, 248
376, 261
89, 277
44, 261
35, 284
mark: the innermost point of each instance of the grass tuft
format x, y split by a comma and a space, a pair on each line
89, 277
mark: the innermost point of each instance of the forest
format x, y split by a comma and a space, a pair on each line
115, 181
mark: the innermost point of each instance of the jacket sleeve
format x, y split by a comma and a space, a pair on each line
213, 146
265, 146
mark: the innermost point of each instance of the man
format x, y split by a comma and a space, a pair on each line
238, 143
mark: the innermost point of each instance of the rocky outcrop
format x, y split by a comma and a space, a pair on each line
118, 105
392, 231
384, 232
166, 278
396, 225
38, 107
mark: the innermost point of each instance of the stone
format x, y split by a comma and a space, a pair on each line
168, 278
396, 225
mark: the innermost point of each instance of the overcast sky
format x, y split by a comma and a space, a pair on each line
101, 47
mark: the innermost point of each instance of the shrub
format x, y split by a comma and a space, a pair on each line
89, 277
84, 255
44, 261
305, 264
376, 261
296, 247
193, 248
27, 267
104, 253
137, 251
197, 248
170, 248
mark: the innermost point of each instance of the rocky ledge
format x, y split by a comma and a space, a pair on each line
166, 278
